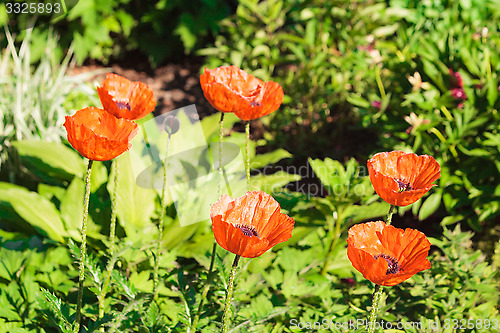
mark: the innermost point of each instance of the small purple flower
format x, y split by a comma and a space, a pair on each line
457, 90
458, 93
377, 104
456, 79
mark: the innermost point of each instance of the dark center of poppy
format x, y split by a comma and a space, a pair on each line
254, 103
247, 230
403, 185
392, 263
123, 105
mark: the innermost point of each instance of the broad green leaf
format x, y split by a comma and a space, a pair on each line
272, 183
430, 205
368, 212
134, 205
50, 160
262, 160
72, 211
34, 209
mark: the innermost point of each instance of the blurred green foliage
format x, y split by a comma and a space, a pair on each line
373, 69
364, 77
34, 99
159, 29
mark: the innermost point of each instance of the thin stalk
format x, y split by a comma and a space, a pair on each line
377, 296
333, 244
378, 79
161, 221
389, 215
112, 232
247, 148
229, 296
378, 293
221, 142
208, 282
112, 225
83, 248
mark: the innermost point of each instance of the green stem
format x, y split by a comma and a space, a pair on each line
221, 142
378, 79
83, 248
161, 221
229, 296
112, 225
333, 244
247, 131
378, 293
208, 282
377, 296
112, 232
389, 215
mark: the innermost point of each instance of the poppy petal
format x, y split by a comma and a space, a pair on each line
230, 89
98, 135
126, 99
401, 179
370, 247
249, 225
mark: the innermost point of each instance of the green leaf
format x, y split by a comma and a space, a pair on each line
50, 160
386, 30
134, 205
436, 76
56, 309
271, 183
262, 160
430, 205
34, 209
367, 212
492, 93
72, 211
357, 100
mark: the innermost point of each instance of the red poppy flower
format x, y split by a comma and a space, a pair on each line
249, 225
230, 89
401, 179
126, 99
98, 135
386, 255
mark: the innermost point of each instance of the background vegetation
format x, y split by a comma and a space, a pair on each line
359, 78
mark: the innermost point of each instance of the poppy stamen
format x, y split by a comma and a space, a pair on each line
392, 263
403, 185
123, 105
247, 230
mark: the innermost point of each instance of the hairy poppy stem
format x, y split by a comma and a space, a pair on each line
112, 231
229, 296
83, 248
161, 221
377, 296
389, 214
221, 143
112, 225
247, 131
208, 282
